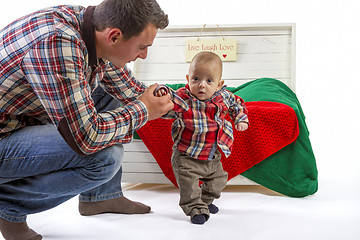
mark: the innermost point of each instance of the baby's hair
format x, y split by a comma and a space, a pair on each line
207, 57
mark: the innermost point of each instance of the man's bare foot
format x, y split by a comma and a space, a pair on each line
116, 205
17, 231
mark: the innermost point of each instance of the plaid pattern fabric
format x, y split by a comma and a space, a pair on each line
200, 126
45, 77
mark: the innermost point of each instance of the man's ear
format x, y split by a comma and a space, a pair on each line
113, 35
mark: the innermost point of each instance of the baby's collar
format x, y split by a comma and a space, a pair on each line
217, 93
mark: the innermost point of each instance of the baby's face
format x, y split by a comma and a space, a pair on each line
204, 80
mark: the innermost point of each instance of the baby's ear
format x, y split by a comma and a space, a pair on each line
221, 83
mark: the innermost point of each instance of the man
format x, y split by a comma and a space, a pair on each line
54, 144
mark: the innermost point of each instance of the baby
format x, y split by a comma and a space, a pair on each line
199, 131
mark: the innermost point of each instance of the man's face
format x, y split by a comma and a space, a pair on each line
124, 51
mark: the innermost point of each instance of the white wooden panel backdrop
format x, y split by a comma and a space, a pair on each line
263, 50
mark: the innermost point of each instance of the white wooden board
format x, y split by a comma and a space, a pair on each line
263, 50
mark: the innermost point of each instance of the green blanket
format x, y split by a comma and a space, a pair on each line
292, 170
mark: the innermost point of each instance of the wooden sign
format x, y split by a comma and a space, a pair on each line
224, 48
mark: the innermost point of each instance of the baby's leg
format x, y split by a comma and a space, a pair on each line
199, 219
213, 209
214, 183
187, 173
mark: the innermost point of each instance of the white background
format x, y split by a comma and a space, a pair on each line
327, 67
327, 61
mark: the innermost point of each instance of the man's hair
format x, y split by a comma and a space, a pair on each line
130, 16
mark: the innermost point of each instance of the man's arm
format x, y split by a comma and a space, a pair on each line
55, 68
124, 87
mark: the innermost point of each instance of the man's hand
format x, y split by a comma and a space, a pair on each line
156, 106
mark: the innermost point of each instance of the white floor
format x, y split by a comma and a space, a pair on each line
246, 212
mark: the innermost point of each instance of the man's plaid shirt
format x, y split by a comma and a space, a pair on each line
46, 76
200, 126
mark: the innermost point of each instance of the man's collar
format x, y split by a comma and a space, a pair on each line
88, 35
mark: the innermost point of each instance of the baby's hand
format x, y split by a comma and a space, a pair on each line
160, 91
241, 126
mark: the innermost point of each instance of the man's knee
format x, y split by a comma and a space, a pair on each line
109, 161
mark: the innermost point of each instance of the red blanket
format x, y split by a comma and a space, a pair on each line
272, 127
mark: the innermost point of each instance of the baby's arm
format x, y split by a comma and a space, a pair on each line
238, 112
241, 126
179, 104
161, 90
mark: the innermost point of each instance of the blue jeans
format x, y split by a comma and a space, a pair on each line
39, 171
